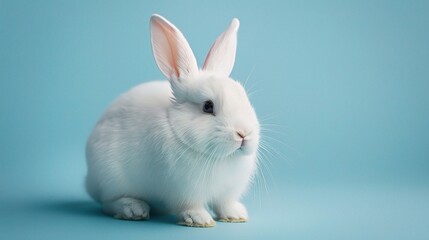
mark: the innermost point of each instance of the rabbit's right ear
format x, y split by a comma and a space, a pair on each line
172, 52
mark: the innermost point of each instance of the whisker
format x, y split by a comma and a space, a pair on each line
248, 76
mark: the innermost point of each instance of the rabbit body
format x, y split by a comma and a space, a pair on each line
155, 149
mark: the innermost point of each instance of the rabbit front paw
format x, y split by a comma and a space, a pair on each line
197, 218
231, 212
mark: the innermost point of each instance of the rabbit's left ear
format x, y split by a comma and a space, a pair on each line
221, 56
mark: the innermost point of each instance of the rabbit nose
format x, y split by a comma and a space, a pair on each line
241, 134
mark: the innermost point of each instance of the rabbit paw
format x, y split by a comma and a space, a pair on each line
234, 212
197, 218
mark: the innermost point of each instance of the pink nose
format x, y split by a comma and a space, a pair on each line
240, 134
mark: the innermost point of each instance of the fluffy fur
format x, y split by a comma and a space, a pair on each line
154, 148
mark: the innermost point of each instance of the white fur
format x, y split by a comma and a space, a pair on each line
155, 148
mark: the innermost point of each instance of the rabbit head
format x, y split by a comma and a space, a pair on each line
211, 113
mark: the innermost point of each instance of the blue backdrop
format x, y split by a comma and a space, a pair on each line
341, 86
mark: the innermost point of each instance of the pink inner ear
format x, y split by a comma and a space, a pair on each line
208, 57
221, 56
172, 52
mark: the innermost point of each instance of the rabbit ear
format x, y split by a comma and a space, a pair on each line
221, 56
172, 52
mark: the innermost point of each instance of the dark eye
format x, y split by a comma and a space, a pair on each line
208, 107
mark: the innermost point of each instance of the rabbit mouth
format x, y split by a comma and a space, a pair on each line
246, 147
244, 150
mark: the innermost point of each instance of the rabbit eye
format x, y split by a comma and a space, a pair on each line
208, 107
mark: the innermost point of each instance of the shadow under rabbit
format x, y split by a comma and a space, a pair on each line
88, 208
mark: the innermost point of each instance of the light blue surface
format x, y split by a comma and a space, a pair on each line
343, 86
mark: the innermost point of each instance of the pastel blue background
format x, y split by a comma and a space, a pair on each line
343, 86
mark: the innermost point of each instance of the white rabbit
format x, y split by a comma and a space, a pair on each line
183, 146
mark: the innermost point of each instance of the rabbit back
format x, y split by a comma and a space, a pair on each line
121, 144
